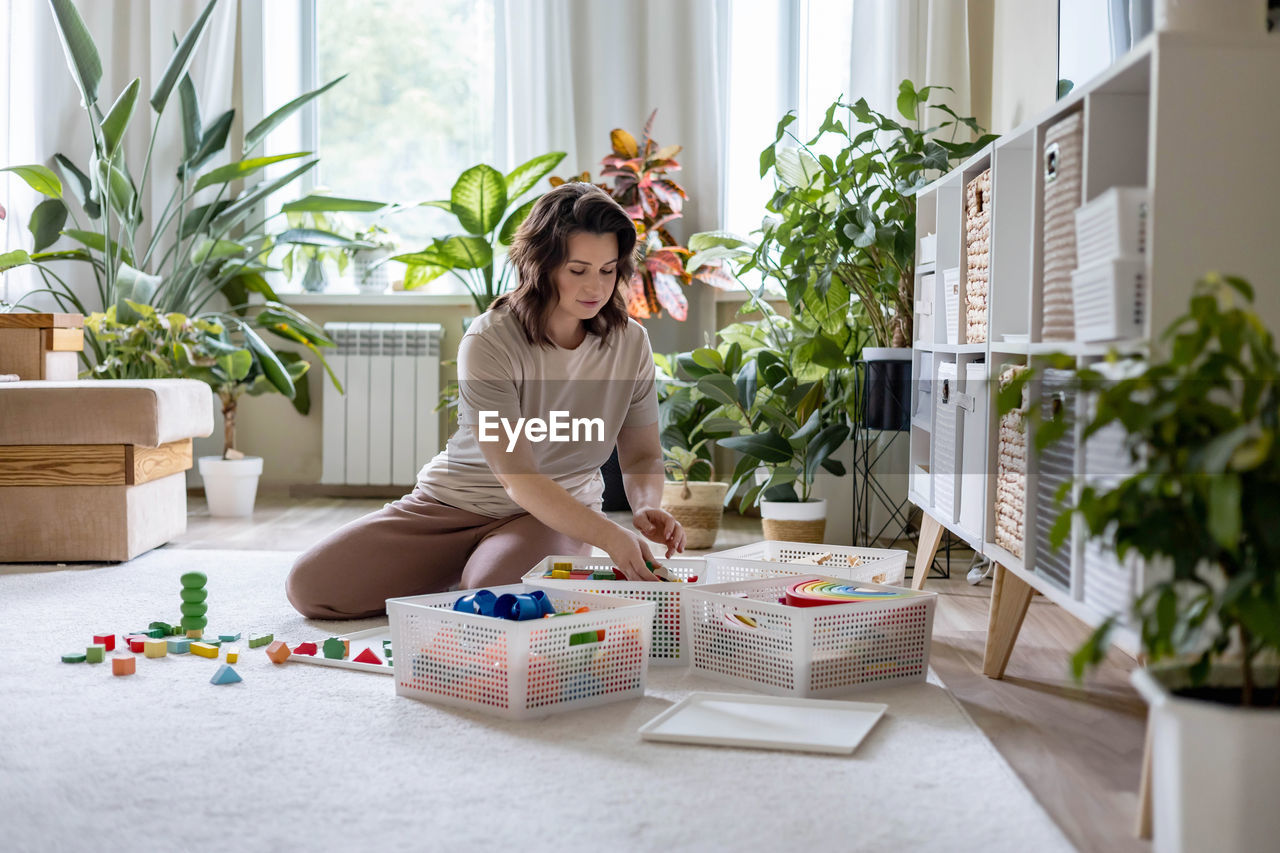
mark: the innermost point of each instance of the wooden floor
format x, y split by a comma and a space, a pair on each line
1077, 748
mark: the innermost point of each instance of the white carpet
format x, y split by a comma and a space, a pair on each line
303, 757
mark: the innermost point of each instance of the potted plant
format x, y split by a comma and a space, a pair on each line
370, 261
1203, 424
689, 422
842, 226
781, 380
316, 238
230, 358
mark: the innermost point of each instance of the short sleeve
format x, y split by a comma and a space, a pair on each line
486, 382
644, 395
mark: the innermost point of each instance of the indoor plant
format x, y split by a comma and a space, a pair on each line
1203, 424
370, 260
689, 422
315, 238
481, 199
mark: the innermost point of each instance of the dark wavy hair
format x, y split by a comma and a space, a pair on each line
541, 246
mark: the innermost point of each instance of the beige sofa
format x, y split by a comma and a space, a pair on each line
94, 470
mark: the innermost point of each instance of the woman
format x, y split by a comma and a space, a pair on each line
507, 492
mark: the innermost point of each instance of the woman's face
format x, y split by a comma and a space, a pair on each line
587, 279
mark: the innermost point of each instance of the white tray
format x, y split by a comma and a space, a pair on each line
368, 639
766, 722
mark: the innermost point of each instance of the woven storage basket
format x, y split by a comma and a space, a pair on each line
1011, 474
978, 255
1063, 155
783, 530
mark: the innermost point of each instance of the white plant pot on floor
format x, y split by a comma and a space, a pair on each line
1215, 769
230, 485
794, 521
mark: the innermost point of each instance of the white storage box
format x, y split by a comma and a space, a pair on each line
946, 443
928, 249
923, 324
920, 483
1056, 467
524, 669
922, 384
1111, 226
742, 634
670, 636
1110, 299
951, 292
973, 473
770, 558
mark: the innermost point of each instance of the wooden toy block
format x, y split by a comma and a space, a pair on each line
233, 654
194, 634
155, 648
163, 627
179, 646
73, 657
386, 649
562, 566
278, 651
228, 638
96, 653
335, 649
193, 580
136, 643
225, 675
256, 640
124, 665
153, 633
305, 649
212, 642
204, 650
194, 596
108, 641
367, 656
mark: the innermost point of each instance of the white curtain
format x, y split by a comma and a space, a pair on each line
44, 117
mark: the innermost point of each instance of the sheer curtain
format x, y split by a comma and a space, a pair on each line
43, 116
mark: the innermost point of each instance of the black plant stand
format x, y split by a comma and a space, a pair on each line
869, 447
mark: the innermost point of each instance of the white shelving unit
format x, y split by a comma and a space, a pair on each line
1177, 116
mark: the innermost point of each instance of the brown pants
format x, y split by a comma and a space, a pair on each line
416, 546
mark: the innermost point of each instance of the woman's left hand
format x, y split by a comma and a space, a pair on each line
658, 525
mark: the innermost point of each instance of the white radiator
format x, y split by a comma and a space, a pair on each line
386, 426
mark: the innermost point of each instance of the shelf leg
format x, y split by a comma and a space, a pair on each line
1010, 596
1143, 824
926, 548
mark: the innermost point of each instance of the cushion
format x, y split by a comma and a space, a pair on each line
142, 412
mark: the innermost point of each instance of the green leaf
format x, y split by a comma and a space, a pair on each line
46, 223
768, 447
16, 258
1224, 510
332, 204
1093, 651
120, 192
420, 275
236, 364
242, 206
191, 122
81, 186
39, 178
81, 53
194, 221
213, 140
524, 177
708, 358
271, 365
514, 221
316, 237
242, 169
720, 388
479, 198
260, 130
908, 100
134, 286
746, 385
116, 121
828, 440
96, 240
180, 60
464, 253
209, 249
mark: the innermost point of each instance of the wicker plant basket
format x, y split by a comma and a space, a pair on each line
791, 521
698, 507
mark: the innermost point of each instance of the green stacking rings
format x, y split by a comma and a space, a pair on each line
194, 596
194, 580
194, 610
193, 623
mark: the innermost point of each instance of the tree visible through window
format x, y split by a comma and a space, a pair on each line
416, 108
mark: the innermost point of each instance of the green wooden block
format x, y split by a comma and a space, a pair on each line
161, 626
194, 609
335, 648
96, 653
153, 633
193, 623
260, 640
194, 580
74, 657
194, 596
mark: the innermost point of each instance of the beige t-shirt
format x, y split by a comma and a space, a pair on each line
583, 395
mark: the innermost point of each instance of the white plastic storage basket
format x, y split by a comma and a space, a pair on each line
742, 634
946, 443
951, 294
1113, 225
973, 473
1110, 299
923, 324
670, 636
1056, 468
520, 670
770, 558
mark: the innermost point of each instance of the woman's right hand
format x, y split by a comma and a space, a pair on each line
629, 552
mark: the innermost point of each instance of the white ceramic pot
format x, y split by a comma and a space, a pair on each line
1215, 768
794, 521
699, 508
230, 485
369, 270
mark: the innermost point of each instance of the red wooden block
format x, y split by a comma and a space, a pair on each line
305, 649
107, 640
367, 656
136, 644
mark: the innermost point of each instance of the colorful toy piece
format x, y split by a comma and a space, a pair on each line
135, 642
193, 601
228, 638
204, 650
386, 649
256, 640
95, 653
179, 646
814, 593
124, 665
335, 649
305, 649
108, 641
278, 651
155, 648
367, 656
233, 654
164, 628
195, 634
73, 657
225, 675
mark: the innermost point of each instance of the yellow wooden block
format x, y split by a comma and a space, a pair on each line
233, 654
195, 634
204, 650
155, 648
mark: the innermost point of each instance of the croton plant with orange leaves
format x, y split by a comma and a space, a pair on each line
653, 200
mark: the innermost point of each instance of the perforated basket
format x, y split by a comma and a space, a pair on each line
742, 634
525, 669
771, 558
669, 647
